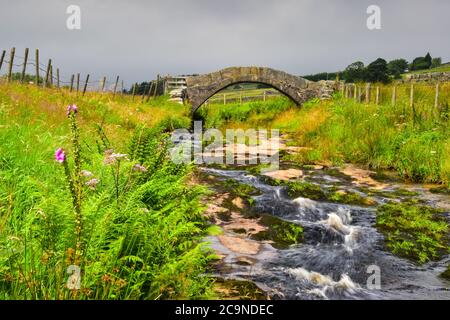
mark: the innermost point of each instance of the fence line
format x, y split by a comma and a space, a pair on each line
44, 76
354, 91
235, 96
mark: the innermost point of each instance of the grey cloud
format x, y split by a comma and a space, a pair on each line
139, 39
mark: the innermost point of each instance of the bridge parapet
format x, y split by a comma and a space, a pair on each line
202, 87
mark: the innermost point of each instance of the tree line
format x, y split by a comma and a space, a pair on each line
379, 70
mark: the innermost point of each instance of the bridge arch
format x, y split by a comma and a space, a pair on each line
201, 88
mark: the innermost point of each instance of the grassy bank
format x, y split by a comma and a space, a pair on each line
113, 207
415, 142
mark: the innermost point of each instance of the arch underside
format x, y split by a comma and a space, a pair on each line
201, 88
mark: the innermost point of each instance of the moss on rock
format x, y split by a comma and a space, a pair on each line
419, 233
281, 232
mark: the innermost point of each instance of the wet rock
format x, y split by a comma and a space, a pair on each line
238, 202
284, 174
239, 245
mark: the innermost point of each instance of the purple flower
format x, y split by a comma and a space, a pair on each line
71, 108
60, 156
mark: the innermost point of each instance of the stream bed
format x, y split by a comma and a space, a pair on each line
340, 250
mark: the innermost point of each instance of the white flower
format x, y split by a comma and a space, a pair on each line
93, 183
140, 168
111, 158
86, 173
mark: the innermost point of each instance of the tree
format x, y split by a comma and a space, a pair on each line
397, 67
428, 60
436, 62
421, 63
354, 72
377, 71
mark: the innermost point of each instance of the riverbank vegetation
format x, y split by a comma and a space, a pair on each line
413, 141
108, 216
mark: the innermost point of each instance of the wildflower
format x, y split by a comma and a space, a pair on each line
140, 168
71, 108
433, 152
111, 158
93, 183
60, 156
86, 173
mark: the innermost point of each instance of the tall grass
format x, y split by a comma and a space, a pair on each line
141, 223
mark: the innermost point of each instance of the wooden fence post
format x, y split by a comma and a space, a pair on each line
57, 77
2, 58
394, 95
411, 102
11, 61
121, 87
359, 94
156, 86
51, 76
264, 95
377, 96
71, 82
102, 85
436, 97
134, 91
355, 94
78, 82
367, 93
115, 86
37, 66
25, 60
224, 98
47, 74
85, 84
150, 89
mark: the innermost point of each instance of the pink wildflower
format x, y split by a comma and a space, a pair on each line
60, 156
71, 108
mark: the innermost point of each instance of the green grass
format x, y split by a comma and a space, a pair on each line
140, 231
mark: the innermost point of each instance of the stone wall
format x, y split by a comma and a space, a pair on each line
427, 77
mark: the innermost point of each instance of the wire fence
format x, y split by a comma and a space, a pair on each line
14, 67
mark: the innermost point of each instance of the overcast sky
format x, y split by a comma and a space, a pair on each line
138, 39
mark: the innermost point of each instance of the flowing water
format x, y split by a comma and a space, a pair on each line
340, 251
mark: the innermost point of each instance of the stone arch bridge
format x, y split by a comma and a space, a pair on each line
201, 88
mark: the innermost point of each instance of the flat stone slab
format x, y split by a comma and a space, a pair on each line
284, 174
